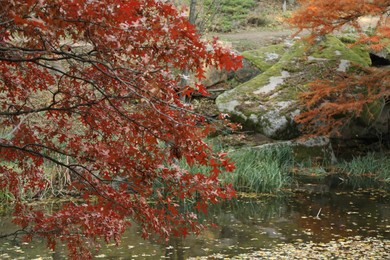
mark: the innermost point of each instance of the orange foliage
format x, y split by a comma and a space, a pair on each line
333, 103
325, 16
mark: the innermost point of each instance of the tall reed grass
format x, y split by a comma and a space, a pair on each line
264, 169
367, 171
261, 170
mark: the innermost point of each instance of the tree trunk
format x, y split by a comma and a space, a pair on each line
284, 6
192, 17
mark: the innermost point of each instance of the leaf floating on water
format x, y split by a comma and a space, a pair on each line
343, 248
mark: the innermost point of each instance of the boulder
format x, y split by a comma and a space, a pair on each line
265, 57
246, 73
254, 63
268, 103
382, 57
317, 148
214, 76
378, 58
373, 121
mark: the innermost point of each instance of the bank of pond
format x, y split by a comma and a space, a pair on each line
286, 209
327, 224
272, 168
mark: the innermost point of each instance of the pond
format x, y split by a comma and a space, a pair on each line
247, 225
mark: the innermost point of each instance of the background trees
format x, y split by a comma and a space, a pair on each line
90, 86
332, 104
219, 15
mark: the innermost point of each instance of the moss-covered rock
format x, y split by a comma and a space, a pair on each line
265, 57
268, 103
384, 53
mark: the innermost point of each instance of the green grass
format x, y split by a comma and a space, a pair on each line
367, 171
5, 196
259, 170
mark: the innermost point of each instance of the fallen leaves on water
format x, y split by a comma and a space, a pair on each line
343, 248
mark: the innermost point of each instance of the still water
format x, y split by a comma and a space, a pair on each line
245, 225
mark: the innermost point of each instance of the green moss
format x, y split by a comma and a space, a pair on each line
289, 92
328, 49
325, 56
261, 80
265, 57
347, 38
293, 61
361, 50
287, 60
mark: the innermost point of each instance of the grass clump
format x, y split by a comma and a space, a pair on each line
259, 170
262, 170
5, 197
367, 171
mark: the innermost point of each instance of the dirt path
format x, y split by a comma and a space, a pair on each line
252, 39
256, 35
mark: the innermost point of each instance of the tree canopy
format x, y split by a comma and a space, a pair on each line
92, 87
333, 103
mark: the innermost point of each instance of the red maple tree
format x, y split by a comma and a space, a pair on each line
332, 104
92, 86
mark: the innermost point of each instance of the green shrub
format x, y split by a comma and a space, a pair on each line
232, 14
228, 15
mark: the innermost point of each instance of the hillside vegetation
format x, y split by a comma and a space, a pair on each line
233, 15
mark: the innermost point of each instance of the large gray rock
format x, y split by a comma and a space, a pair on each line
319, 147
383, 54
246, 73
265, 57
268, 103
214, 76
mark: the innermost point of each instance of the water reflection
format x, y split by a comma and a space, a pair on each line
245, 225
